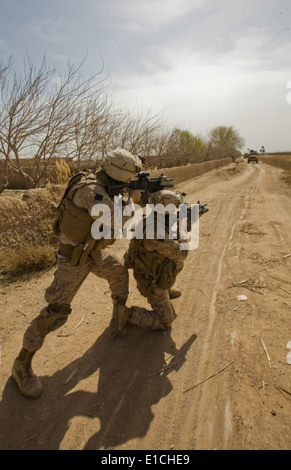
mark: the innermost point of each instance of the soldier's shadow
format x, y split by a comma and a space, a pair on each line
130, 375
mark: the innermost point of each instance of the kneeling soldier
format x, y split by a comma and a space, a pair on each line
155, 263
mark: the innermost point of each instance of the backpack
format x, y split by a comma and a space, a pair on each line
75, 182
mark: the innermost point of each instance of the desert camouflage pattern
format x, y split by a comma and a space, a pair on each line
121, 165
162, 314
160, 317
68, 279
59, 295
85, 198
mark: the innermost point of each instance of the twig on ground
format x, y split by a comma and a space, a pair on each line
267, 354
289, 293
285, 281
283, 391
249, 284
263, 385
71, 375
79, 322
165, 368
203, 293
209, 377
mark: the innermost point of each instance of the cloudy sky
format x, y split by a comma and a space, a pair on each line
201, 63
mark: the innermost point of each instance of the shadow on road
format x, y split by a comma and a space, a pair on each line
130, 376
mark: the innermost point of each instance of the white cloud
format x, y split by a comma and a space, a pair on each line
207, 62
50, 30
149, 16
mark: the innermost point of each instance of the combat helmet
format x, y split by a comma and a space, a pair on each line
121, 165
166, 197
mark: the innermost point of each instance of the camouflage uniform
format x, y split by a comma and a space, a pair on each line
59, 295
79, 254
147, 257
68, 279
162, 314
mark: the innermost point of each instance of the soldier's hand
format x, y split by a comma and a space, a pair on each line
135, 195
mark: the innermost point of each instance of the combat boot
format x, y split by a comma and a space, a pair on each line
28, 384
121, 315
174, 293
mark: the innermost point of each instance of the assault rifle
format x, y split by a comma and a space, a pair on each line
202, 207
148, 185
202, 210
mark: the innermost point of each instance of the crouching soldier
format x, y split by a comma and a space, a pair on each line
156, 263
79, 254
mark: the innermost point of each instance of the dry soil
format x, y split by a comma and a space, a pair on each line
218, 379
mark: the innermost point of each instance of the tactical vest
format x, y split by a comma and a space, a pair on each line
75, 223
150, 268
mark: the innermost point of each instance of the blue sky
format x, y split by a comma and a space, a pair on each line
201, 63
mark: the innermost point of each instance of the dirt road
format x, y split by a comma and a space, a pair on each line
218, 379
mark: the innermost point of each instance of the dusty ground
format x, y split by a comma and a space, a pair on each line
219, 379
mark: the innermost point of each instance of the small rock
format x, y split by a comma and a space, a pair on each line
241, 297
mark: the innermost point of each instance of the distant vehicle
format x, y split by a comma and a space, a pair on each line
253, 156
246, 155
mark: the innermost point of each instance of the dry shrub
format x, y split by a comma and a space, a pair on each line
63, 171
27, 258
29, 218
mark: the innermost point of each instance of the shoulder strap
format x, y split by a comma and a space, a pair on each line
76, 182
73, 181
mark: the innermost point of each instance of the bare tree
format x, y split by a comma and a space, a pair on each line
22, 115
44, 116
137, 132
4, 71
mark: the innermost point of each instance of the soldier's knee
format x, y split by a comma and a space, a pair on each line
52, 318
58, 315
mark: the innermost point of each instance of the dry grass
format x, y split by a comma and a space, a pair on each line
28, 258
280, 161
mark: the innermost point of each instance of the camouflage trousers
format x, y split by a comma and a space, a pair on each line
160, 317
59, 295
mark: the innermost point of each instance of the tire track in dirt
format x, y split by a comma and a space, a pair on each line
217, 403
197, 306
227, 213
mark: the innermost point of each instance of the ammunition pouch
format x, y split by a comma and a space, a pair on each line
78, 255
74, 222
150, 268
166, 275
